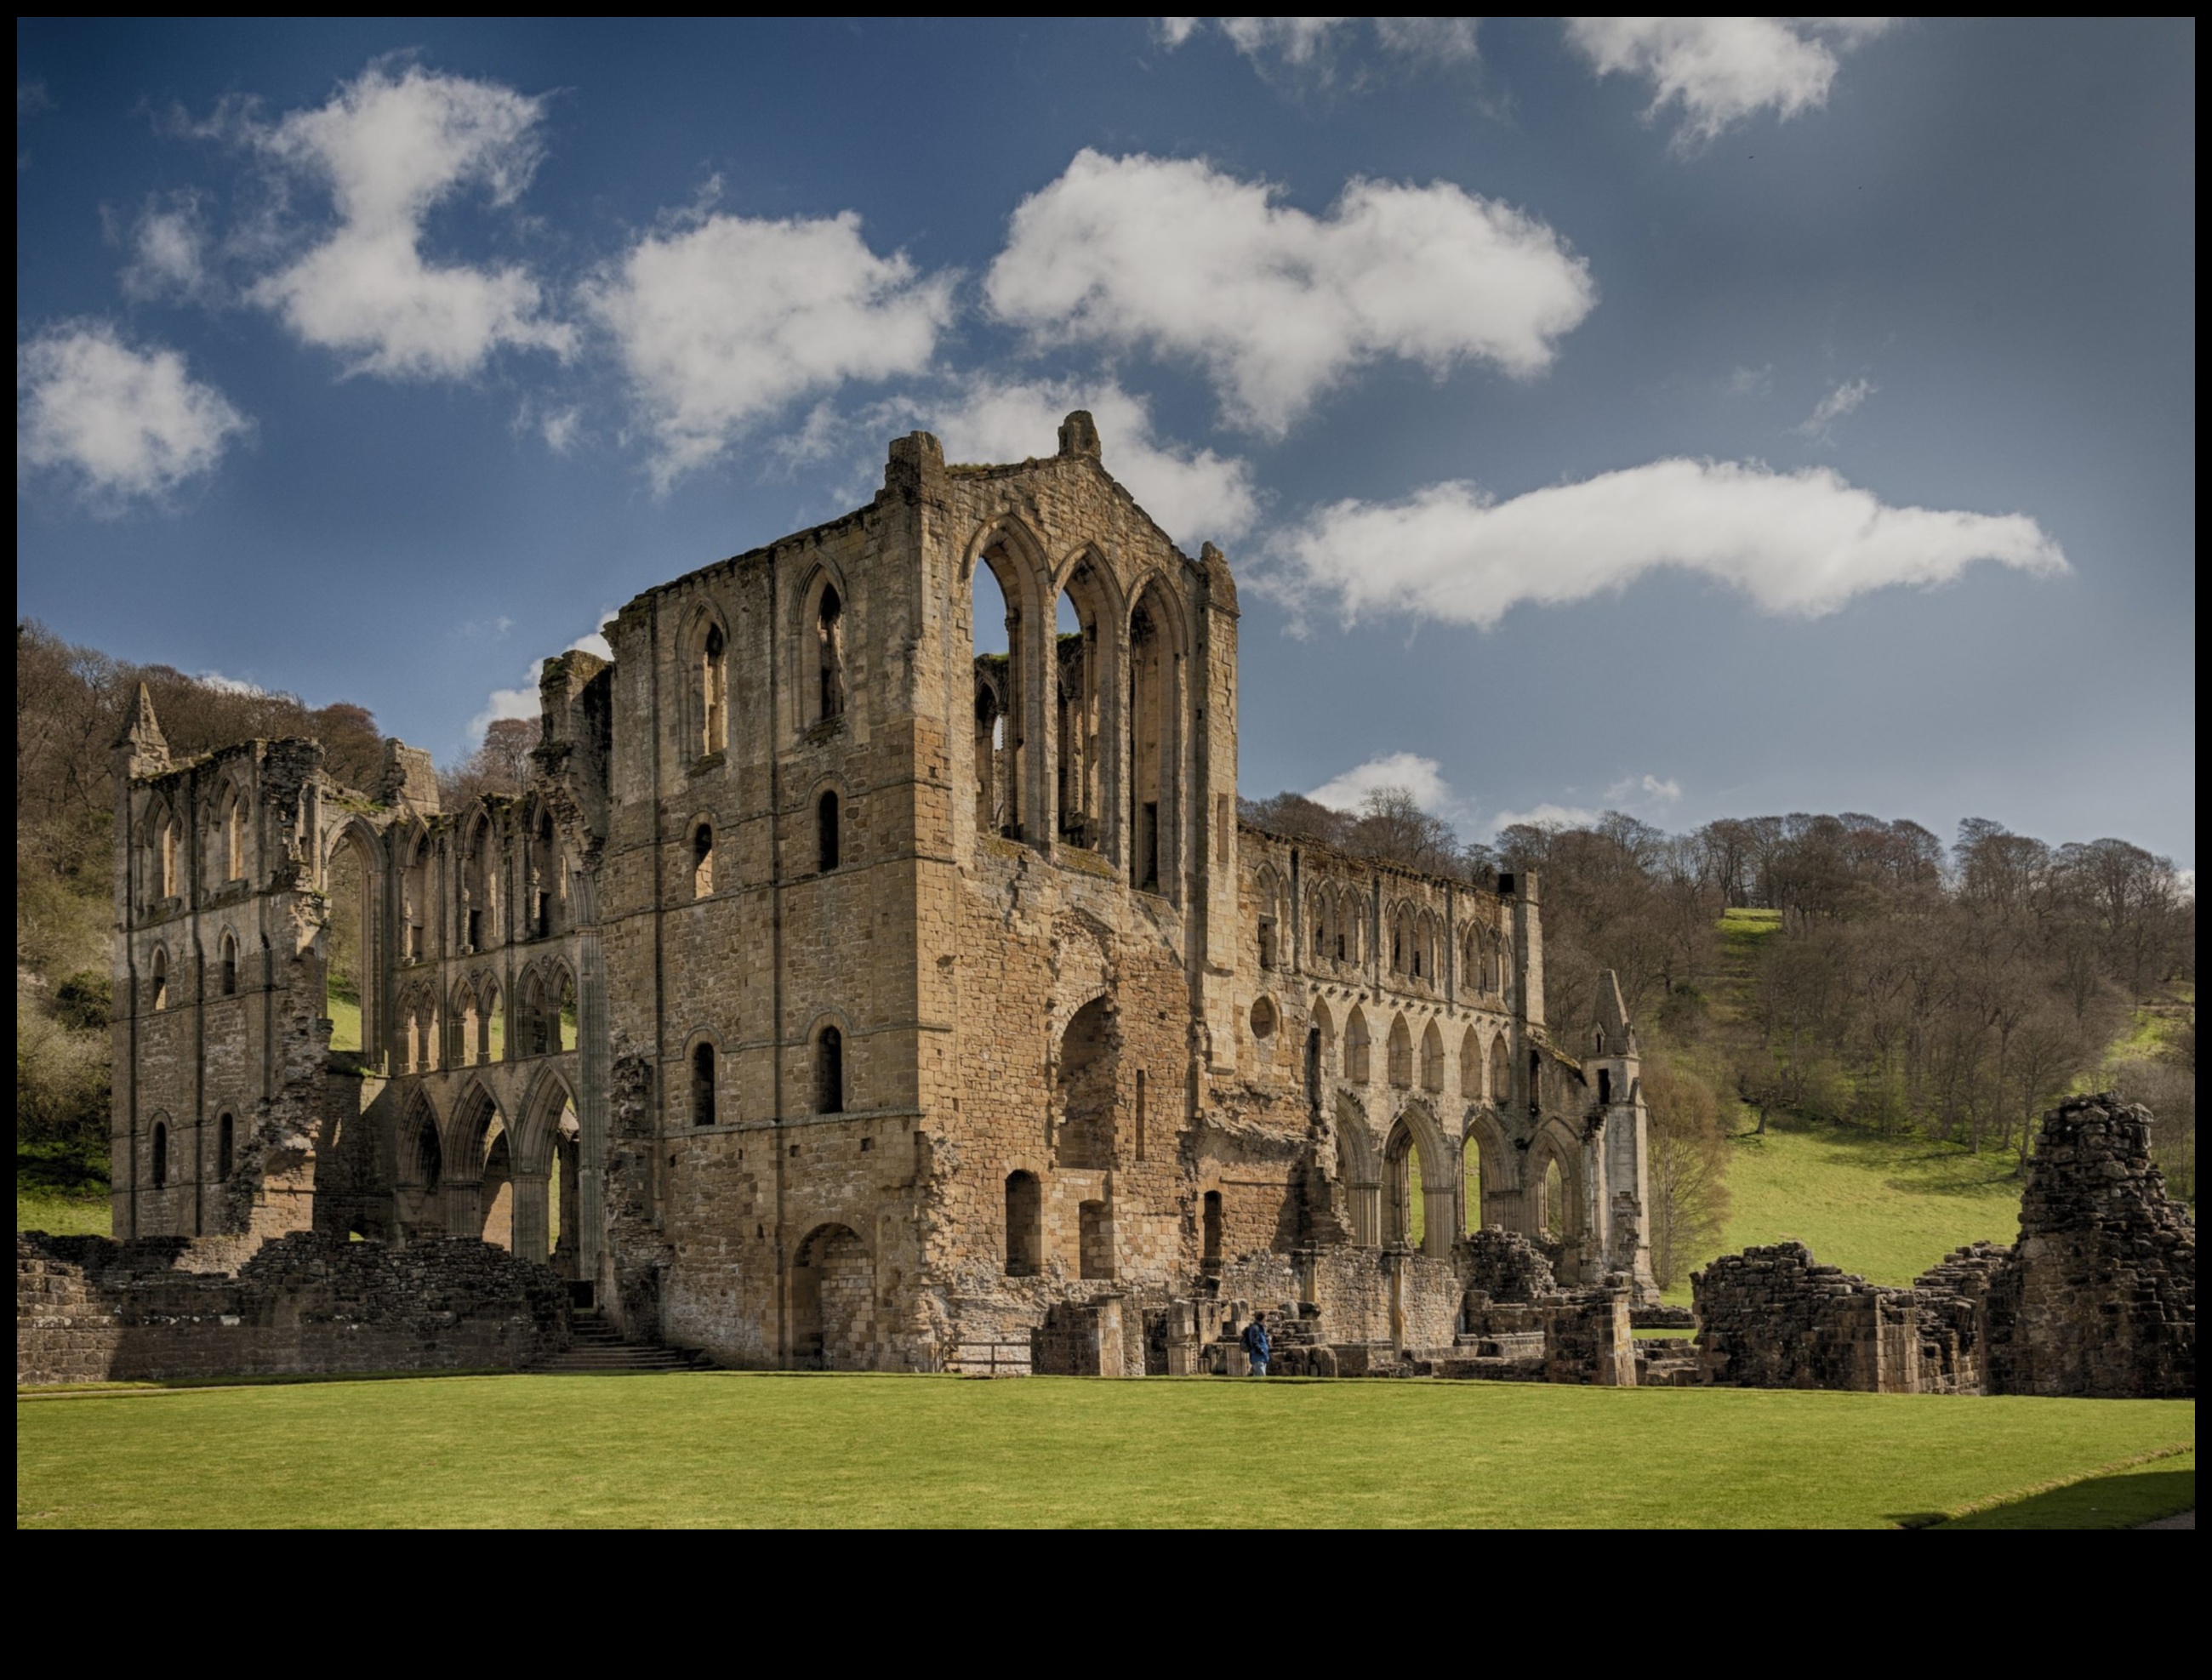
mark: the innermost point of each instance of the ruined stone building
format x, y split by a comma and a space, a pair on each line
836, 995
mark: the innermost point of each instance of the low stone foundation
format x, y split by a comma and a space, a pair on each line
90, 1310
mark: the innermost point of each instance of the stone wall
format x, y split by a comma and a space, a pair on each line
90, 1310
2099, 1297
1775, 1317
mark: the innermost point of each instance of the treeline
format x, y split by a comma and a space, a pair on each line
71, 704
1841, 968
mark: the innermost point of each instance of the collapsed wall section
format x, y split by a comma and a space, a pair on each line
90, 1310
2099, 1298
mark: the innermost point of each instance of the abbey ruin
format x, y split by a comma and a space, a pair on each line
835, 996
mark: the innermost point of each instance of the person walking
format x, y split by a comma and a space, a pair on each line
1255, 1344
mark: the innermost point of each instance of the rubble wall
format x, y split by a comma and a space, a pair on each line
2099, 1297
90, 1310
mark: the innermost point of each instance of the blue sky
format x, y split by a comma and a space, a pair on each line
1690, 417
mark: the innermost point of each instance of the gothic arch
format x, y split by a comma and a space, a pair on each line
703, 646
1087, 701
1015, 776
1499, 1161
1360, 1167
822, 612
1555, 1203
1159, 640
1416, 1134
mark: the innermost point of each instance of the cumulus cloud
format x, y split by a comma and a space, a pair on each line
1721, 70
1546, 815
1800, 543
1843, 400
172, 257
117, 421
1275, 304
721, 320
1306, 47
390, 148
1196, 494
1421, 777
1646, 789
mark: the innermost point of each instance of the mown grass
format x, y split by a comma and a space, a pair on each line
61, 1188
715, 1449
2128, 1498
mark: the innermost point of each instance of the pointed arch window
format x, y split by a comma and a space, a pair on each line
711, 691
226, 1143
160, 988
829, 654
229, 965
234, 837
702, 861
703, 1085
160, 1161
830, 1072
827, 848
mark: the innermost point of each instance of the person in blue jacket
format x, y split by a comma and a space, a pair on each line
1255, 1344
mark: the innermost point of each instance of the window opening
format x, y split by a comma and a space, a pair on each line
1025, 1225
1094, 1240
713, 692
225, 1141
996, 632
830, 1072
830, 653
703, 1085
160, 1155
160, 978
702, 861
825, 833
1209, 1229
230, 968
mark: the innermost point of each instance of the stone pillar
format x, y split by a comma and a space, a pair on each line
534, 1235
595, 1074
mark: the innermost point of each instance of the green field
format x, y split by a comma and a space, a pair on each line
707, 1449
1887, 1208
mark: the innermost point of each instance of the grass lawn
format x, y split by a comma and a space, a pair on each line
60, 1190
730, 1449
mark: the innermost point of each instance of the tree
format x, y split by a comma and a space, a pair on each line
1686, 1157
500, 765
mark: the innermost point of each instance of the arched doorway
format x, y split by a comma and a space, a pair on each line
1419, 1213
1086, 1089
1362, 1173
833, 1302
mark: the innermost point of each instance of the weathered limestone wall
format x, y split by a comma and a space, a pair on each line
1774, 1318
89, 1310
2099, 1297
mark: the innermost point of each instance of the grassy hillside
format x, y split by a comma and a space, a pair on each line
726, 1449
1885, 1208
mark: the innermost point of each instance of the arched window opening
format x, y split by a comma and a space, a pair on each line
1313, 1067
1082, 656
429, 1155
826, 839
567, 1014
1150, 672
1554, 1211
496, 1194
165, 851
468, 1016
702, 861
1470, 1067
536, 1040
544, 867
710, 688
1409, 1211
996, 630
1401, 1054
228, 968
426, 1030
1605, 1087
1355, 1047
234, 837
480, 891
833, 1302
226, 1143
1501, 1073
1085, 1088
1025, 1225
1432, 1059
703, 1085
1094, 1240
1210, 1223
345, 973
414, 890
159, 989
830, 655
830, 1072
1470, 1166
160, 1161
1535, 1083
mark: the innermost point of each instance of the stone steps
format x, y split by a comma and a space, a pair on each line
596, 1347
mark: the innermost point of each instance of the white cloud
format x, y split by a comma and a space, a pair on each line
1278, 304
521, 701
1646, 789
120, 423
1421, 777
230, 685
1751, 381
722, 320
1196, 495
1546, 815
560, 430
1843, 400
170, 253
391, 149
1305, 46
1800, 543
1721, 70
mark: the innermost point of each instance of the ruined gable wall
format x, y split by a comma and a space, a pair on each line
2099, 1297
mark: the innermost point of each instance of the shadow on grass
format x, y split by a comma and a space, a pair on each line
60, 1170
2128, 1499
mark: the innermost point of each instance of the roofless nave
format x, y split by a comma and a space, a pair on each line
836, 995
